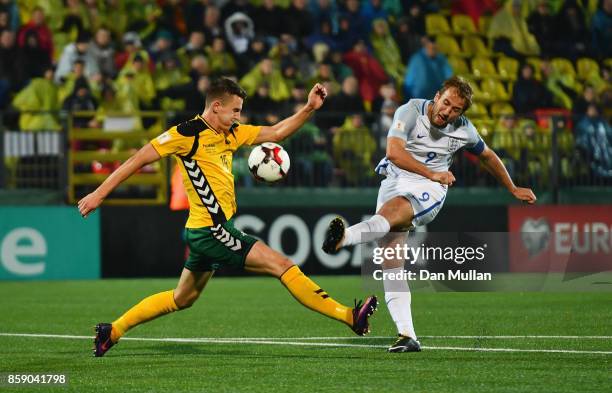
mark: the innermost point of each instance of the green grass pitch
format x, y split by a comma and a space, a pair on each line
291, 349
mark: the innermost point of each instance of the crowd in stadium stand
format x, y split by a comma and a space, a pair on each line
526, 59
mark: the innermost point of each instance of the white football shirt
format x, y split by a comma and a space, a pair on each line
434, 147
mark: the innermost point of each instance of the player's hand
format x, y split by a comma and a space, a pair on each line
317, 96
89, 203
524, 194
446, 178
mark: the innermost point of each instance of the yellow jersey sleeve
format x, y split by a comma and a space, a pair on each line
172, 142
246, 134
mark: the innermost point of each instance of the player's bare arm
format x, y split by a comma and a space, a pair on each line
285, 128
144, 156
397, 154
494, 165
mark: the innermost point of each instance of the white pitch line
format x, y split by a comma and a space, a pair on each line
428, 337
311, 344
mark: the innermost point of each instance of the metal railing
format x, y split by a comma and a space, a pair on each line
94, 153
332, 150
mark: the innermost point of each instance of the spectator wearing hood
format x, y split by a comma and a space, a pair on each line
77, 51
426, 71
137, 80
266, 72
38, 102
367, 70
387, 51
510, 33
239, 31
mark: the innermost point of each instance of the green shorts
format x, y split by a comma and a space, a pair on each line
213, 247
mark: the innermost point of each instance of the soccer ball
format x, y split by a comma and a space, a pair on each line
269, 162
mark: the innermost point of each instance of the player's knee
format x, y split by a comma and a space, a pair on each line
185, 300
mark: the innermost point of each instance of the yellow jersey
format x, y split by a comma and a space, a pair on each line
204, 156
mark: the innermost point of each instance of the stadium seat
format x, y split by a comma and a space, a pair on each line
475, 88
493, 90
436, 24
477, 110
485, 128
473, 45
463, 25
536, 62
501, 108
448, 45
586, 67
508, 68
564, 66
483, 24
458, 65
483, 67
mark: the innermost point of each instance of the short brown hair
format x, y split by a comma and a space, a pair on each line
464, 90
221, 87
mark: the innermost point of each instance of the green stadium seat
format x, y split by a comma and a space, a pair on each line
459, 65
475, 88
436, 24
493, 90
501, 108
477, 111
463, 24
447, 44
485, 128
473, 45
508, 68
483, 24
483, 67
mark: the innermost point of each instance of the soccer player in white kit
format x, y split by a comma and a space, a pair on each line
421, 143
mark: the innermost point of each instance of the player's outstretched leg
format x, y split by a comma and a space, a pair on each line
263, 259
189, 287
336, 236
397, 214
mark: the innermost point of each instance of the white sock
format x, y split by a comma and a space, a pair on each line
399, 298
376, 226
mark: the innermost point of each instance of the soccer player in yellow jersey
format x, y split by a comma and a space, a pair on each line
203, 147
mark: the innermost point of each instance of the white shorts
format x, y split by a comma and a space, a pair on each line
425, 196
